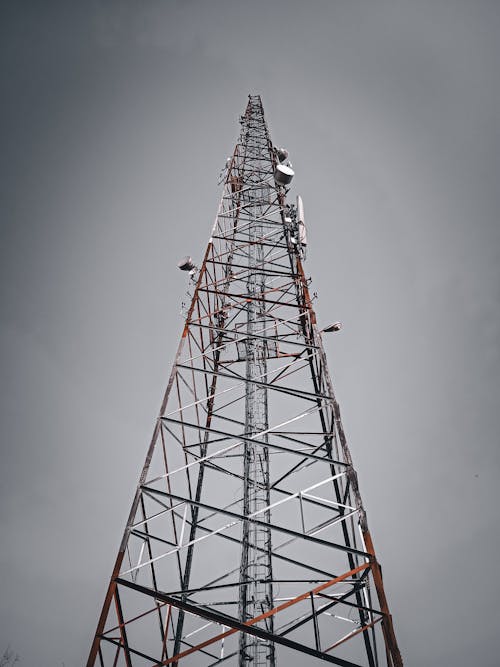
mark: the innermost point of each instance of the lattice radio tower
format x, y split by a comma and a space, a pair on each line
247, 542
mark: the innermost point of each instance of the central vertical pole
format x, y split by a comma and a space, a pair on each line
256, 596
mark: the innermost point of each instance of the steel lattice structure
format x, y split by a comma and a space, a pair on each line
247, 542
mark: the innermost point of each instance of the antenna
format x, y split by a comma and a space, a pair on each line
247, 542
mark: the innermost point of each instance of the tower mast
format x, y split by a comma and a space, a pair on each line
247, 542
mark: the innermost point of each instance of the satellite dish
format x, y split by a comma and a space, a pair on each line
186, 264
336, 326
283, 174
282, 154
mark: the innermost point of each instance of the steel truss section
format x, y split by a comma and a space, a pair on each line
247, 542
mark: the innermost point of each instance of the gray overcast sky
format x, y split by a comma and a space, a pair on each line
116, 118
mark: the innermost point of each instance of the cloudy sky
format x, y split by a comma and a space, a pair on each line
116, 119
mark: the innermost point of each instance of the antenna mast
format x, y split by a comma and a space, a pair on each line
247, 542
